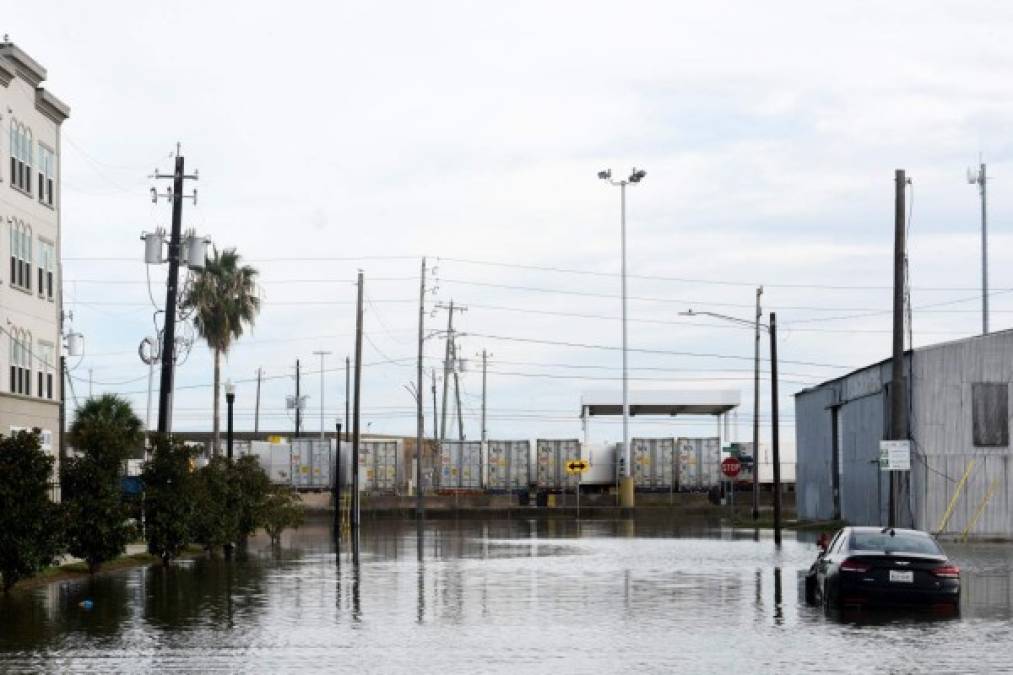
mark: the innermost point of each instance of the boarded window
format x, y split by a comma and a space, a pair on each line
990, 411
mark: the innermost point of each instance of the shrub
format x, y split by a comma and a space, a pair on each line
282, 509
30, 522
169, 498
216, 520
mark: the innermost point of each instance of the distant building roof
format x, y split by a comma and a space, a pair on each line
670, 402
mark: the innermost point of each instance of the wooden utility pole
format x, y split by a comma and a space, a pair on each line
356, 407
756, 410
457, 394
298, 401
898, 386
256, 410
420, 419
446, 368
348, 389
775, 431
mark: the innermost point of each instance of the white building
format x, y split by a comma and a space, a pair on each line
30, 117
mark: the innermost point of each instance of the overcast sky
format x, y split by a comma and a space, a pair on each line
383, 132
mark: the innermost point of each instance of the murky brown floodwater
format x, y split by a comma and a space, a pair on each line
509, 596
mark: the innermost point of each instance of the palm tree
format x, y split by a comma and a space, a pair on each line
224, 300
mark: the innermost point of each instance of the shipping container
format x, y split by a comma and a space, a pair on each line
275, 459
379, 466
460, 465
699, 463
311, 463
509, 465
551, 458
653, 463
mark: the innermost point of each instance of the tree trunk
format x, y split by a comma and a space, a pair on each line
215, 429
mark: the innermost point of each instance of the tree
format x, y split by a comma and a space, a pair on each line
282, 509
30, 522
104, 433
169, 498
253, 487
224, 301
215, 522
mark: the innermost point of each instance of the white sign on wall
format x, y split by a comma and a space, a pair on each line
895, 455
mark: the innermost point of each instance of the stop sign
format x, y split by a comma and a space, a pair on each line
731, 466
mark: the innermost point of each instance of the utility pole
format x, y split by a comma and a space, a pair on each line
256, 410
898, 386
171, 290
321, 354
457, 395
775, 440
356, 407
756, 410
436, 413
298, 401
419, 417
484, 452
90, 382
348, 388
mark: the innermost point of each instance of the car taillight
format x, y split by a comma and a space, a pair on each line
947, 572
855, 566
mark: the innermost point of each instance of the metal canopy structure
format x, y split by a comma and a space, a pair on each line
668, 403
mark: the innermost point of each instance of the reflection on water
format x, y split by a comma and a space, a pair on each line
476, 596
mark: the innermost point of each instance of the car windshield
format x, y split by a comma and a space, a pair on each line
900, 542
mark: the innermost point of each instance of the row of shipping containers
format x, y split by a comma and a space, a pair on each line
686, 464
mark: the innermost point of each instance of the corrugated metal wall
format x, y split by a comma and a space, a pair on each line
944, 448
942, 378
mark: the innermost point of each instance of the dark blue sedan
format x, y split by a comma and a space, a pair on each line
864, 566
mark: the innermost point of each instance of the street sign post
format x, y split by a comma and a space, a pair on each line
731, 467
577, 467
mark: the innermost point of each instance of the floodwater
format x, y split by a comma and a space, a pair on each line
514, 596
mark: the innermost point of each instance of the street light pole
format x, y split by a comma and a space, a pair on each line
230, 399
322, 354
626, 489
757, 325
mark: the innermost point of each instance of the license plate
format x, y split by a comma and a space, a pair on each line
902, 576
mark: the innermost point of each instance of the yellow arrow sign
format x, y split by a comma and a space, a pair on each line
577, 466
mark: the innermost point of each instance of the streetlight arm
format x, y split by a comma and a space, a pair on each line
744, 322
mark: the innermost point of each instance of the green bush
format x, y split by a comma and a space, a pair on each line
104, 433
216, 519
30, 522
169, 498
282, 509
253, 486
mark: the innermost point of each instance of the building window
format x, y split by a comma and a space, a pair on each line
21, 362
46, 265
21, 156
47, 174
990, 414
45, 374
21, 255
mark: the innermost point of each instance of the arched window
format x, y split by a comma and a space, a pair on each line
22, 151
21, 255
20, 356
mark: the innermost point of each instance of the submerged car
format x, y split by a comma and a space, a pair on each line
866, 566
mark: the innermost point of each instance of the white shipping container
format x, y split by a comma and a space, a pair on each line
311, 463
509, 465
551, 458
460, 465
653, 462
699, 463
379, 466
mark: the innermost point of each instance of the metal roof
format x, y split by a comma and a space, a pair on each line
669, 402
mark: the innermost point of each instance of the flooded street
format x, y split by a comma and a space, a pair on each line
506, 596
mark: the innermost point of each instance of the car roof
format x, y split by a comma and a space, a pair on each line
897, 530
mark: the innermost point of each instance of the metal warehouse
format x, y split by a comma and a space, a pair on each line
959, 419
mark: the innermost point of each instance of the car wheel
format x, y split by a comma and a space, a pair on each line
810, 589
826, 597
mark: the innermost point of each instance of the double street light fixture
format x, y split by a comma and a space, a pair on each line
636, 175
